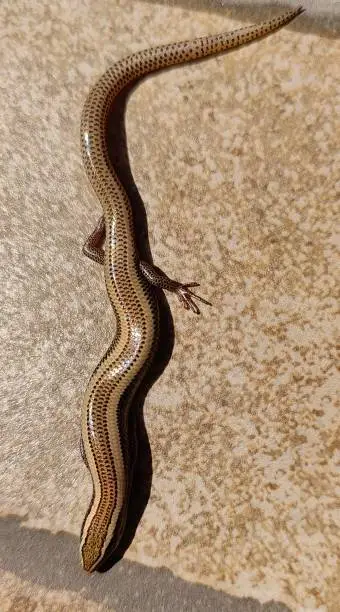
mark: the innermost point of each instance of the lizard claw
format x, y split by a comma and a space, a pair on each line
186, 297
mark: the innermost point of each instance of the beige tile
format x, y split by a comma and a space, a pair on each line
236, 160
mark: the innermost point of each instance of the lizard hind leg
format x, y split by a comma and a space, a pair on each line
184, 292
93, 247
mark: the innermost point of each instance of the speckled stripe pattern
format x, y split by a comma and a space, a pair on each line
104, 420
236, 161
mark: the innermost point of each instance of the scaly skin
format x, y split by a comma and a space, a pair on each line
111, 388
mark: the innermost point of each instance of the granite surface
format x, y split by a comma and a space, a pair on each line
236, 160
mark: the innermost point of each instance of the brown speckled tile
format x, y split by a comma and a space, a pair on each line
24, 596
55, 581
236, 160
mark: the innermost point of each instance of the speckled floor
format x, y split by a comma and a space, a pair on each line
236, 161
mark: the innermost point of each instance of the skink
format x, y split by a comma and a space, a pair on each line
129, 283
